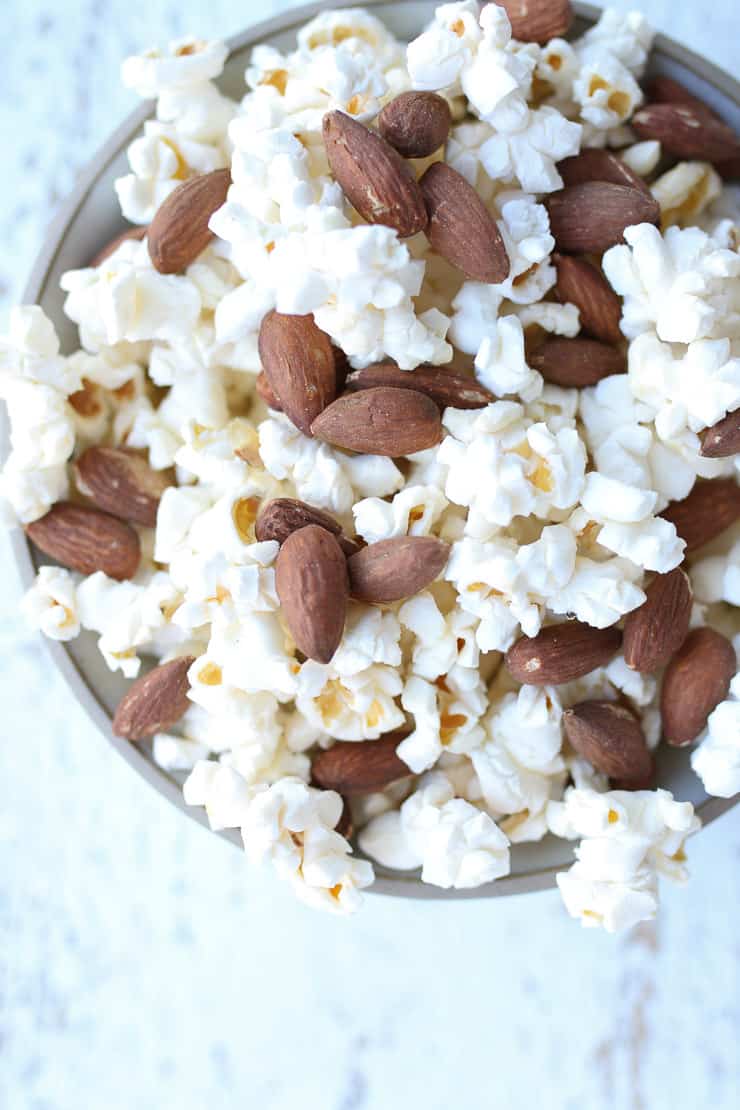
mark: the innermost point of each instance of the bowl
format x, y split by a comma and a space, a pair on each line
90, 218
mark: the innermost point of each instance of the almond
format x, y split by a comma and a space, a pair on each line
381, 421
445, 388
686, 131
344, 825
121, 483
373, 176
397, 568
179, 231
353, 768
282, 516
267, 393
416, 123
723, 438
574, 363
538, 20
708, 511
136, 233
298, 359
594, 164
461, 229
696, 680
599, 307
610, 737
590, 218
156, 701
561, 653
654, 632
87, 540
311, 582
664, 90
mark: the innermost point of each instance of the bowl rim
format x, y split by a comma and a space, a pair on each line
401, 884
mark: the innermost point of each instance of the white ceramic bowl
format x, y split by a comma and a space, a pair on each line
91, 217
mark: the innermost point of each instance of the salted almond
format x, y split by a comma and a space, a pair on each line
135, 233
156, 701
595, 164
723, 438
353, 768
654, 632
665, 90
267, 393
590, 218
445, 388
708, 511
538, 20
575, 363
87, 540
179, 232
687, 132
298, 359
461, 228
416, 123
381, 421
610, 737
311, 581
561, 653
696, 680
397, 568
373, 176
599, 307
282, 516
121, 483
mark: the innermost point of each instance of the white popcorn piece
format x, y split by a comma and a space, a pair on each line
716, 760
557, 319
642, 157
627, 36
441, 642
30, 352
359, 706
501, 365
414, 511
187, 61
437, 57
29, 494
51, 604
445, 714
528, 154
717, 578
606, 91
176, 753
685, 191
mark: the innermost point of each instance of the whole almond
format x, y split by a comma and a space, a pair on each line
538, 20
179, 231
381, 421
595, 164
686, 132
87, 540
665, 90
599, 307
723, 438
561, 653
654, 632
311, 581
135, 233
590, 218
282, 516
445, 388
610, 737
121, 483
461, 229
267, 393
156, 701
298, 359
575, 363
708, 511
373, 176
696, 680
416, 123
353, 768
397, 568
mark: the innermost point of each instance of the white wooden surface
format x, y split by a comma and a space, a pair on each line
143, 966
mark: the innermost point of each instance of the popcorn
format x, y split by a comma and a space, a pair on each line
501, 364
717, 758
446, 716
606, 91
525, 228
627, 36
437, 57
412, 512
642, 157
42, 430
629, 528
30, 494
187, 61
685, 191
440, 642
528, 154
359, 706
717, 578
51, 604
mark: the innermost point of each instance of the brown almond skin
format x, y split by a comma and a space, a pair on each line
723, 438
179, 231
708, 511
135, 233
562, 653
312, 584
461, 229
353, 768
282, 516
344, 825
538, 20
445, 388
267, 393
594, 164
599, 307
665, 90
610, 737
696, 680
416, 123
686, 131
397, 568
373, 176
121, 483
381, 421
654, 632
590, 218
575, 363
87, 540
298, 359
156, 701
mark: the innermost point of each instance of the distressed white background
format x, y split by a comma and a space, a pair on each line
143, 966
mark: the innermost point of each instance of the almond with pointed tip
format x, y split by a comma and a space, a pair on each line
599, 307
461, 229
353, 768
298, 359
561, 653
723, 438
446, 388
416, 123
122, 483
312, 584
87, 540
610, 737
596, 164
576, 363
397, 568
708, 511
538, 20
696, 680
654, 632
282, 516
590, 218
156, 701
381, 421
179, 232
687, 132
665, 90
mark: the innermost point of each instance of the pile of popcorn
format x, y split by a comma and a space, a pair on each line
550, 497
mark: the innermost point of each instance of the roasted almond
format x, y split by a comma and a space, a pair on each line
665, 90
381, 421
709, 510
87, 540
723, 438
179, 231
610, 737
416, 123
135, 233
686, 131
282, 516
599, 307
156, 701
590, 218
393, 569
538, 20
595, 164
461, 228
654, 632
311, 581
267, 393
696, 680
298, 359
353, 768
445, 388
344, 825
121, 483
373, 176
575, 363
561, 653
